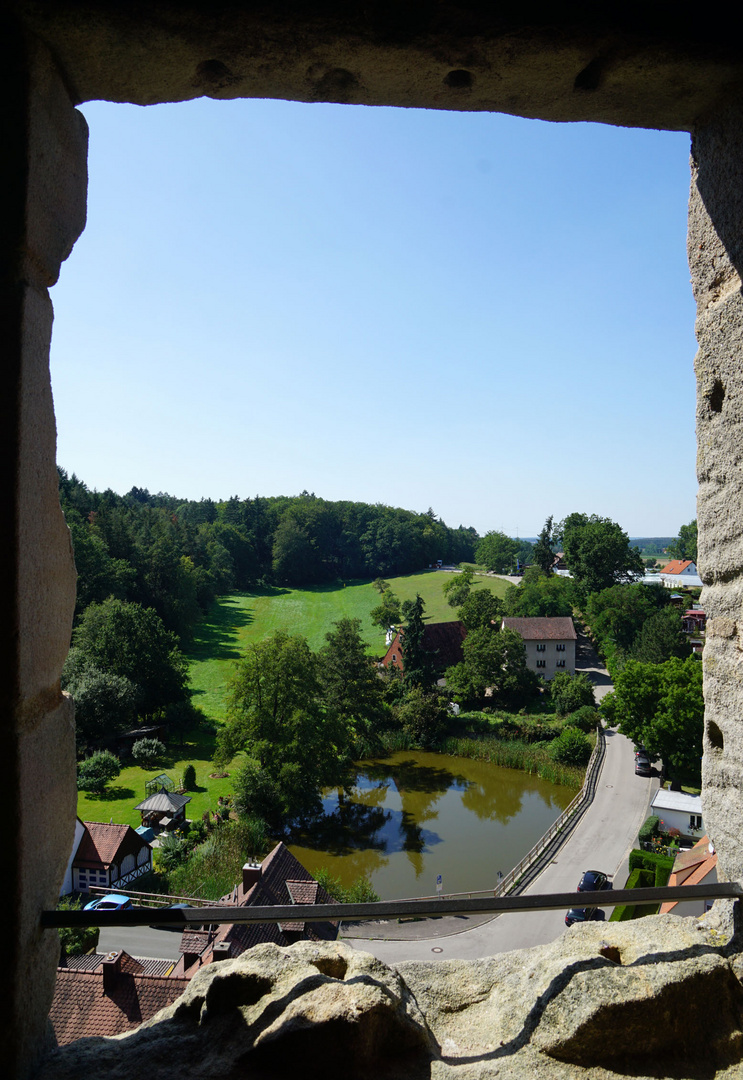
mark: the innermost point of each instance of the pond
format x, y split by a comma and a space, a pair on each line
413, 816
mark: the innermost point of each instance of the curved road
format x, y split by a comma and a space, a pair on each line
601, 841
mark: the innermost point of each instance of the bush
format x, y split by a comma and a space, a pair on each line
75, 939
97, 771
360, 890
570, 748
660, 865
173, 850
571, 692
650, 829
586, 719
189, 778
147, 752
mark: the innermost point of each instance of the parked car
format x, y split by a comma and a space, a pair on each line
593, 880
584, 914
643, 766
112, 902
170, 926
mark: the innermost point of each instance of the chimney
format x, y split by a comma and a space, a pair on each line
222, 951
111, 967
251, 874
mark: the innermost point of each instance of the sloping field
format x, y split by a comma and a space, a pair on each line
241, 618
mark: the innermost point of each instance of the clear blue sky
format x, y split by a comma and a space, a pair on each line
482, 314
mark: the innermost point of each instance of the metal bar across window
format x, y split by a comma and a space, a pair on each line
388, 909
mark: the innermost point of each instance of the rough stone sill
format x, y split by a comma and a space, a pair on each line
658, 996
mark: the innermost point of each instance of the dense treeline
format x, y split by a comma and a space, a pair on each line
175, 556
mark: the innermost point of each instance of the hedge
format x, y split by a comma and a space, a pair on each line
646, 871
649, 829
650, 860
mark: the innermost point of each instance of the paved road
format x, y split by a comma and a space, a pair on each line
141, 941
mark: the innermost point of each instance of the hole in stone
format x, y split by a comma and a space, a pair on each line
716, 396
714, 735
458, 79
590, 77
335, 967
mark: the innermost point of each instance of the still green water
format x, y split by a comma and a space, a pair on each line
415, 815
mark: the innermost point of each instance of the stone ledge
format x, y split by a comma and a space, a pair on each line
660, 996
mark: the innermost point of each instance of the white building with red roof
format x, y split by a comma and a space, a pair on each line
679, 572
105, 856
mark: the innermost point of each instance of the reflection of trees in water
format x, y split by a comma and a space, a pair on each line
497, 794
420, 787
494, 802
339, 833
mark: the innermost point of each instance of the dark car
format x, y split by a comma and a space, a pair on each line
593, 880
584, 914
642, 765
170, 926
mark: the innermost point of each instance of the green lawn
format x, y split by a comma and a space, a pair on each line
118, 801
241, 618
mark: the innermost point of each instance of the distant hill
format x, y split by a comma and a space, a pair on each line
651, 545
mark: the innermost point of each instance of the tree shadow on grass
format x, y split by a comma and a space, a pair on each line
214, 637
110, 794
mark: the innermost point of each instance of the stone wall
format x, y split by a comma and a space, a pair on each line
715, 247
615, 63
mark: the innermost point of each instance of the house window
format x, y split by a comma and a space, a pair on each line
560, 663
541, 648
695, 821
541, 663
561, 648
394, 657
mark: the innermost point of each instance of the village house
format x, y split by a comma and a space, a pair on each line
679, 810
680, 572
104, 856
442, 640
698, 866
549, 642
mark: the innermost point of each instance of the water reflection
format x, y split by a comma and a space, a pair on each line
414, 815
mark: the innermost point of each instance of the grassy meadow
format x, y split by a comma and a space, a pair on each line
238, 619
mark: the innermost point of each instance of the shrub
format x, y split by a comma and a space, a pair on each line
75, 939
586, 719
650, 829
173, 850
360, 890
189, 778
650, 860
147, 752
570, 748
571, 692
97, 771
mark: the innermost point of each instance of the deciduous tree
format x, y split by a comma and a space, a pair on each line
497, 551
685, 544
661, 707
598, 551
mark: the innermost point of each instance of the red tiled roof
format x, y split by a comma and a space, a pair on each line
283, 881
100, 843
698, 861
444, 640
81, 1008
542, 629
676, 566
